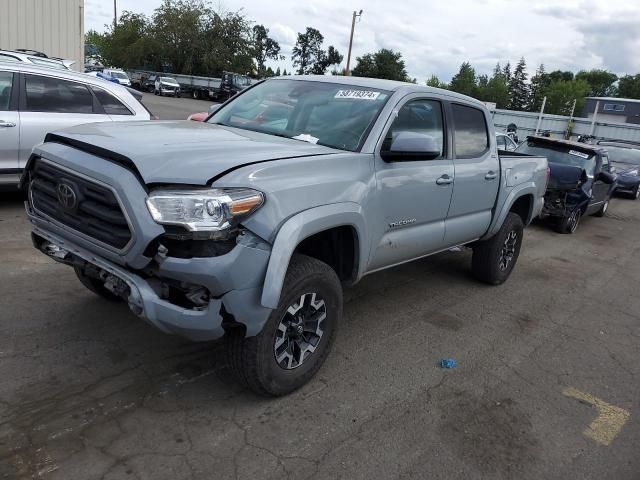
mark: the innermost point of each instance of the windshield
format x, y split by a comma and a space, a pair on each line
562, 154
167, 80
623, 155
328, 114
119, 75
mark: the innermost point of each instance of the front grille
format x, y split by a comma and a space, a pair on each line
85, 206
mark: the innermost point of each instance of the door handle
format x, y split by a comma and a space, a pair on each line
491, 175
444, 180
6, 124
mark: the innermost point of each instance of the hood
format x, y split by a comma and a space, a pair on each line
182, 151
622, 168
565, 177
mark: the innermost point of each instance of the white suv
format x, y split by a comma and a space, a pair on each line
51, 100
34, 58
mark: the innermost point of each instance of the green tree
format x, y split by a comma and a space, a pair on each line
127, 45
518, 87
278, 73
600, 81
309, 56
178, 31
562, 93
560, 75
465, 81
435, 82
506, 71
384, 63
629, 86
264, 48
539, 84
284, 72
495, 89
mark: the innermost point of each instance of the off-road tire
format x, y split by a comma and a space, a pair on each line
569, 225
488, 254
96, 286
252, 360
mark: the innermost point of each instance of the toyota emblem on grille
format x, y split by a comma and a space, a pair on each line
66, 195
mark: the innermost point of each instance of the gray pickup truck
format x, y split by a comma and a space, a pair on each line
248, 225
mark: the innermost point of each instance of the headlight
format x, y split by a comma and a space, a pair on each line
203, 210
633, 172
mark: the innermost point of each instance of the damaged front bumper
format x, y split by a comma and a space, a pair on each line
233, 282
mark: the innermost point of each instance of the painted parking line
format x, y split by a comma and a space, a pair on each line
609, 421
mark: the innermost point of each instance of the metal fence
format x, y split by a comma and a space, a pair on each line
557, 125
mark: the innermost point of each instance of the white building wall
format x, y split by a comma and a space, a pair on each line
54, 27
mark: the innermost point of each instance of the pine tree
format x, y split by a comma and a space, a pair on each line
539, 84
465, 81
284, 72
518, 88
278, 72
506, 71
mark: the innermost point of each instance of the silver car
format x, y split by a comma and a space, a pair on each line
36, 100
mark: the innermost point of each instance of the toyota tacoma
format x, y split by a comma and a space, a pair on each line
248, 225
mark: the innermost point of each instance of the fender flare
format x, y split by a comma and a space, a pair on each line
301, 226
528, 188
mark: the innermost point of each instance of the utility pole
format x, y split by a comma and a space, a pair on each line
353, 26
115, 14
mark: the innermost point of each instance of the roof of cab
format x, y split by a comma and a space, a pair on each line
389, 85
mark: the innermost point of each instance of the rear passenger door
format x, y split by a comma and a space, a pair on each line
50, 103
9, 127
477, 175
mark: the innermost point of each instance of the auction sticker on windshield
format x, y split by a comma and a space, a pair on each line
578, 154
357, 94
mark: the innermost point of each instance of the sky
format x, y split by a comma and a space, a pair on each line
435, 37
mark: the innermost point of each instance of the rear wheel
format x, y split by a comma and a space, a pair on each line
570, 223
494, 259
297, 337
195, 94
96, 286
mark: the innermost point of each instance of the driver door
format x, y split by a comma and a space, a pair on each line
412, 196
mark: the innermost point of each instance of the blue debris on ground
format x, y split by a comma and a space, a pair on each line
447, 363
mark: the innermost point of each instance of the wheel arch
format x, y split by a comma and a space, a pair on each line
339, 223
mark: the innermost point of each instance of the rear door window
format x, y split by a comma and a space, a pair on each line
111, 105
49, 94
471, 132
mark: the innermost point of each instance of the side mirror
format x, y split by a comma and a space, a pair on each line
606, 177
408, 146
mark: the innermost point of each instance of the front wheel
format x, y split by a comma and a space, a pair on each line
494, 259
636, 193
297, 337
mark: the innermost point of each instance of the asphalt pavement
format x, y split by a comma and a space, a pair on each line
546, 384
171, 108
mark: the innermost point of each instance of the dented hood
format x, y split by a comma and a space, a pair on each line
182, 151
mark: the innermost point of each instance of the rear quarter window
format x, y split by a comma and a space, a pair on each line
471, 132
110, 104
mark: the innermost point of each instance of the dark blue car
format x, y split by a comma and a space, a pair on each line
625, 163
